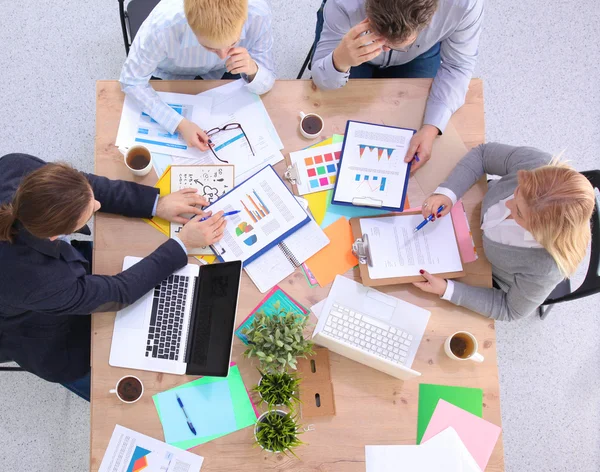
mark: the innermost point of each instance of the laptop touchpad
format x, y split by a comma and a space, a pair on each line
381, 306
134, 315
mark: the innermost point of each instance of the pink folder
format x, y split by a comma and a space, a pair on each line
477, 434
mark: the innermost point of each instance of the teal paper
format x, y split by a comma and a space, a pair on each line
335, 212
208, 406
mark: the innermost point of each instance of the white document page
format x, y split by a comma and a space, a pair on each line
316, 168
136, 127
373, 171
212, 182
396, 251
128, 450
268, 211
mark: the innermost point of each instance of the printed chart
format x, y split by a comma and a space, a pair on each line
374, 183
380, 150
254, 206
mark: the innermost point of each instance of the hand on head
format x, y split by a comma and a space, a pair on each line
359, 45
196, 233
240, 62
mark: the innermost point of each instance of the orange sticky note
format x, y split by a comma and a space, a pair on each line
335, 258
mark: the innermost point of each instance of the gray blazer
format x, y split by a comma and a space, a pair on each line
526, 276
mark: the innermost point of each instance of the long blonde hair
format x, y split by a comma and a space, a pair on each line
561, 202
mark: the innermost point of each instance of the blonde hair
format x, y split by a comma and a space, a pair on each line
216, 20
561, 202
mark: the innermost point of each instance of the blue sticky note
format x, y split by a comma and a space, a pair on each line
314, 183
209, 407
331, 168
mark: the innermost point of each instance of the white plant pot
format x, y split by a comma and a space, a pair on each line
257, 427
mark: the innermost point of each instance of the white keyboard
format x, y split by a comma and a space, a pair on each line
368, 334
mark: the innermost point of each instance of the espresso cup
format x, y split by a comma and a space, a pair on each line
138, 160
129, 389
462, 346
311, 125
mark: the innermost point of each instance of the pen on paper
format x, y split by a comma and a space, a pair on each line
427, 220
187, 418
229, 213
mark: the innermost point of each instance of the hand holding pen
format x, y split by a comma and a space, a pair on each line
433, 203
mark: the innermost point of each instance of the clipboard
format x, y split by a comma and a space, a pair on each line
361, 250
370, 202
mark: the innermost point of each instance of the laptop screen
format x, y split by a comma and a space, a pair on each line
213, 319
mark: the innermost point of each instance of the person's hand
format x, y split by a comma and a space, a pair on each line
432, 284
193, 135
196, 233
433, 202
421, 144
356, 48
172, 206
240, 62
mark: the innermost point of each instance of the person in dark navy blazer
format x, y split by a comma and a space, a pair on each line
47, 291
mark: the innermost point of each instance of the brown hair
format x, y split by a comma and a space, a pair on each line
50, 201
398, 20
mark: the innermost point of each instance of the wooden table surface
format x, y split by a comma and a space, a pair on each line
372, 408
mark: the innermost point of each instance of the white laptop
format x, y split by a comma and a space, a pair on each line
184, 326
372, 328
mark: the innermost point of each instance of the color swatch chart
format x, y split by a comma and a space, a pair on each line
316, 168
374, 183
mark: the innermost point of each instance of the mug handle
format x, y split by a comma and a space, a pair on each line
477, 357
302, 115
112, 390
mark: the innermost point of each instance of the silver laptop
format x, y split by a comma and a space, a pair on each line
184, 326
372, 328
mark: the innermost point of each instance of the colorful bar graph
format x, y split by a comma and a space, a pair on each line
382, 186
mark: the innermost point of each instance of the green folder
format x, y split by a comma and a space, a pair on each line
243, 409
469, 399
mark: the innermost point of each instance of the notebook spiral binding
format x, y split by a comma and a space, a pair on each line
289, 255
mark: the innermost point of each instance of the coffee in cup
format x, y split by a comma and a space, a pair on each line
311, 125
129, 389
462, 346
139, 160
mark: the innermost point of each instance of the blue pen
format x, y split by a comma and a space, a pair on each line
229, 213
416, 158
428, 219
187, 418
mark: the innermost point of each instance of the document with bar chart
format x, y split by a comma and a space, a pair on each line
268, 213
372, 171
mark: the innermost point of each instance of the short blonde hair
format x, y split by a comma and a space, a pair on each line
216, 20
561, 202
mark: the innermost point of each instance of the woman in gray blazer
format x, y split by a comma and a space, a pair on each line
535, 222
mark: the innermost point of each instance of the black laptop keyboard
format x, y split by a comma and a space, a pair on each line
166, 322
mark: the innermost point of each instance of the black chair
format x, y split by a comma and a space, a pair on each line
591, 283
3, 368
311, 52
132, 17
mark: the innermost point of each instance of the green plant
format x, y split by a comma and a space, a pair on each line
277, 431
279, 388
277, 340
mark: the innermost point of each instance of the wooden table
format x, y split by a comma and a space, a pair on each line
372, 408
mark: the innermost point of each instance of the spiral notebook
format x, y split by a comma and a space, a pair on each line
281, 260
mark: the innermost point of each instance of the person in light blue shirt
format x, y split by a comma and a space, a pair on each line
212, 39
403, 39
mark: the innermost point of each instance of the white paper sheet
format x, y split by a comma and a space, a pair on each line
212, 182
373, 171
316, 168
127, 446
268, 211
396, 251
136, 127
442, 453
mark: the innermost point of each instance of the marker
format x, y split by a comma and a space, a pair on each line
428, 219
229, 213
187, 418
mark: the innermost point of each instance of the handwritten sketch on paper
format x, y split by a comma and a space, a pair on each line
212, 182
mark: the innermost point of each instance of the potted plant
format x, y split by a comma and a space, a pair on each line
279, 389
277, 431
277, 340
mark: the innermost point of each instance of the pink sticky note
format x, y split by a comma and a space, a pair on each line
478, 435
463, 233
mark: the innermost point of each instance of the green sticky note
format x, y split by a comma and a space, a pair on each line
469, 399
243, 409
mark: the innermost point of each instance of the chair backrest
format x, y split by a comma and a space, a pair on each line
591, 283
132, 17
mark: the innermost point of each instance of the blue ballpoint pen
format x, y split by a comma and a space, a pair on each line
427, 220
229, 213
187, 418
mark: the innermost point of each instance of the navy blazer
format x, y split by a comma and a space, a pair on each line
46, 290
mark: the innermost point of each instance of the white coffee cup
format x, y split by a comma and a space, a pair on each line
132, 157
309, 126
116, 389
470, 346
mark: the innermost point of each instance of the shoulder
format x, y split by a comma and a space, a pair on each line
258, 9
460, 4
166, 15
522, 157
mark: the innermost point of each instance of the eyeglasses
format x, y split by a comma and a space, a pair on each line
228, 127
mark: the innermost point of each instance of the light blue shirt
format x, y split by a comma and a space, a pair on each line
456, 24
166, 47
